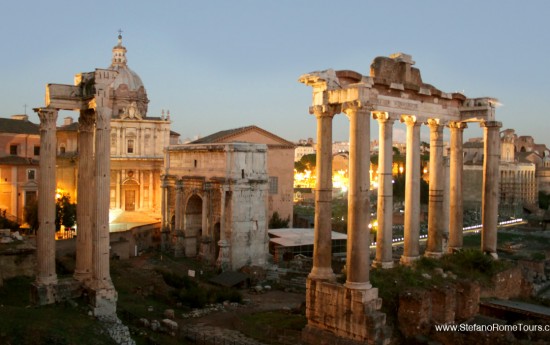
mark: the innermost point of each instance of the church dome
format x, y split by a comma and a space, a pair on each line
128, 89
125, 75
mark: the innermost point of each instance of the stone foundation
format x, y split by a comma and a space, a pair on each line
47, 294
337, 314
102, 301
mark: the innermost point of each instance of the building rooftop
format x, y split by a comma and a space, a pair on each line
298, 236
227, 135
18, 126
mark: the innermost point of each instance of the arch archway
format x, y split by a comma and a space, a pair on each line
192, 224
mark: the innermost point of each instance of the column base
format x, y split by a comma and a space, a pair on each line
82, 276
408, 260
434, 255
383, 264
452, 250
102, 301
358, 286
63, 290
494, 255
322, 273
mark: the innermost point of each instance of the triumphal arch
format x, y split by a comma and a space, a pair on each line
90, 96
394, 91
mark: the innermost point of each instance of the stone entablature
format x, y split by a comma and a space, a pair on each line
215, 202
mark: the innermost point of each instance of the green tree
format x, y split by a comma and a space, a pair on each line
276, 222
65, 212
307, 162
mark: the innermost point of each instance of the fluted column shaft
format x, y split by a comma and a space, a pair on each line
455, 189
45, 238
489, 213
358, 243
434, 247
100, 236
164, 205
178, 210
86, 193
322, 247
385, 193
411, 246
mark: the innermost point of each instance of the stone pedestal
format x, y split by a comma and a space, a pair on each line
223, 261
178, 243
102, 301
339, 315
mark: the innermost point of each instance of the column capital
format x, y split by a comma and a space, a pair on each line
179, 185
457, 125
434, 123
48, 118
355, 106
328, 110
489, 124
383, 117
410, 120
86, 121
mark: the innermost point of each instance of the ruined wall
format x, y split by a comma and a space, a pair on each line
336, 311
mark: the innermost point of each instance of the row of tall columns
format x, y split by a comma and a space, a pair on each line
45, 238
358, 205
85, 205
358, 243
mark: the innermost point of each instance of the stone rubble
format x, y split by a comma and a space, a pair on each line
116, 329
204, 334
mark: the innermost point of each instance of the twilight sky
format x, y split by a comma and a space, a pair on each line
224, 64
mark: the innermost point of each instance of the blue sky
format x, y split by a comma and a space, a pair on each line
224, 64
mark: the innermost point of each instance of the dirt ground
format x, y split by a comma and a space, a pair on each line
229, 318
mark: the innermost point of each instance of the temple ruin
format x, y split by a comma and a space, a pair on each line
393, 91
90, 96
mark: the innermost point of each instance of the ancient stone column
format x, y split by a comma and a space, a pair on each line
385, 192
45, 238
223, 260
358, 243
411, 248
434, 247
489, 199
164, 202
100, 236
322, 247
456, 198
178, 209
177, 233
86, 191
